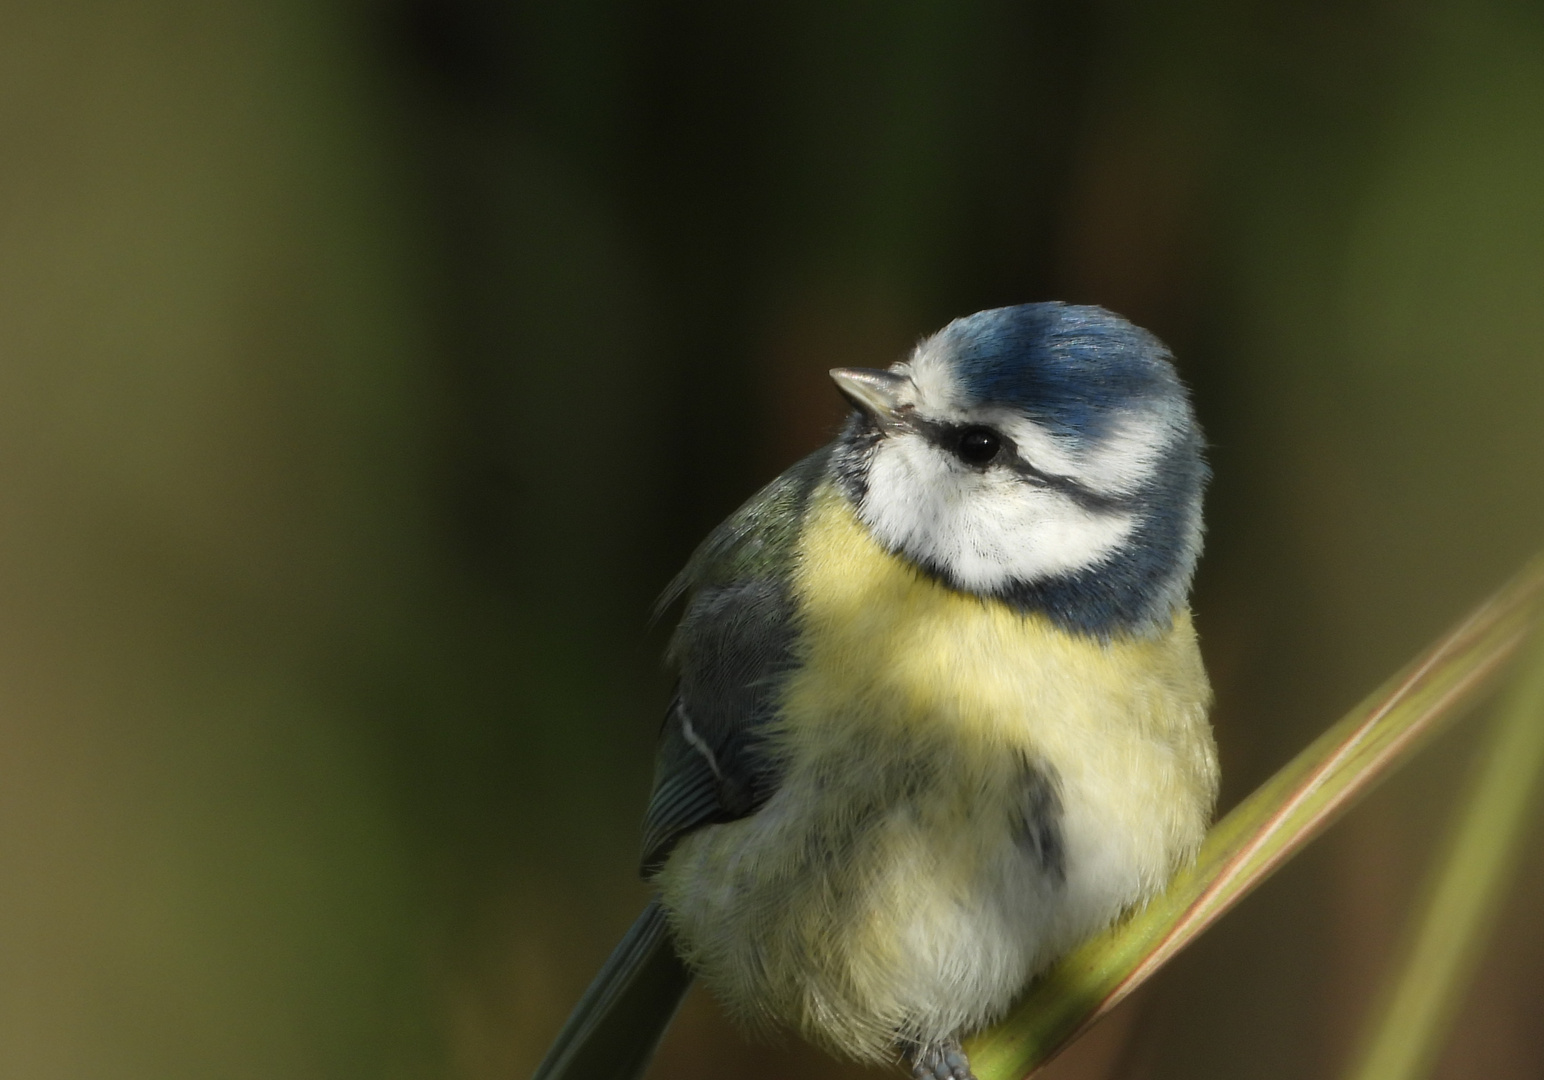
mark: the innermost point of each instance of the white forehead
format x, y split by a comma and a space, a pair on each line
1124, 457
933, 375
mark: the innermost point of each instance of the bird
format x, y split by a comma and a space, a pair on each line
940, 713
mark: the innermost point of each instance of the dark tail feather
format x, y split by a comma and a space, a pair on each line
617, 1024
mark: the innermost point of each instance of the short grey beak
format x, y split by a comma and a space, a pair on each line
876, 392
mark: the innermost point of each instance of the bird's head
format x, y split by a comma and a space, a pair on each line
1045, 455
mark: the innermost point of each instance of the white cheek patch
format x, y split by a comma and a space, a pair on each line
988, 528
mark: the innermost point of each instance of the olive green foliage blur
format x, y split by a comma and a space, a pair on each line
365, 369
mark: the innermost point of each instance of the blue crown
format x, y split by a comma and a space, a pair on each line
1070, 367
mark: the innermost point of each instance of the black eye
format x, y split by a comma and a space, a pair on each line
978, 445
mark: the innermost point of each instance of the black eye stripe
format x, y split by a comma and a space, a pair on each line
950, 437
968, 442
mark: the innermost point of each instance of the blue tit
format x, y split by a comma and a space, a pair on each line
941, 714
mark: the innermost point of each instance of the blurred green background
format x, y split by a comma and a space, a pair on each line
366, 368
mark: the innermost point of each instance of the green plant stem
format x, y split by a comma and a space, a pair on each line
1466, 890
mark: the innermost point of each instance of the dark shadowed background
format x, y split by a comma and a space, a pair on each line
366, 369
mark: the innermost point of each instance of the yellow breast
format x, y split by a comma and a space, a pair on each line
885, 646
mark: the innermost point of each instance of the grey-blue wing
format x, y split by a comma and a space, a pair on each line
732, 649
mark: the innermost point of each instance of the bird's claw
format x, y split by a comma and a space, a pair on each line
941, 1061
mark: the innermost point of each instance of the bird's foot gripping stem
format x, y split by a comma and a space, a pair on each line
940, 1061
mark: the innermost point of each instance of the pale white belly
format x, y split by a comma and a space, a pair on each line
883, 896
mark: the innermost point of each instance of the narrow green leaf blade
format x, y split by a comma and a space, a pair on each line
1265, 830
1467, 888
